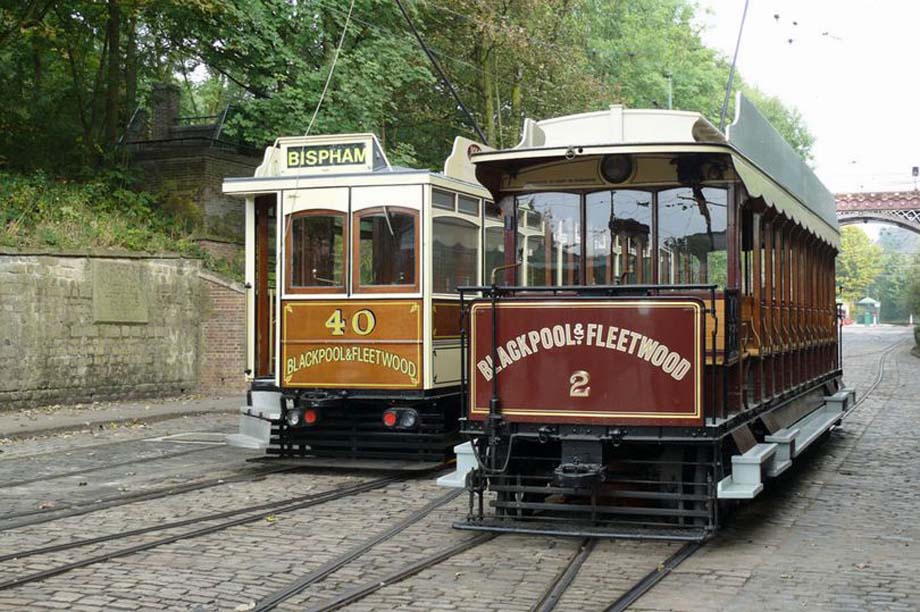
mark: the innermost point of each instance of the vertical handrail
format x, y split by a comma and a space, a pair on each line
271, 329
464, 381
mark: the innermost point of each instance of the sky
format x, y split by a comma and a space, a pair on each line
851, 69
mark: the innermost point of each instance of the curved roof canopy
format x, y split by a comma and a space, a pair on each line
764, 161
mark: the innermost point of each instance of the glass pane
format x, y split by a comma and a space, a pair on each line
691, 236
455, 254
318, 251
619, 232
442, 199
495, 252
468, 205
550, 251
387, 248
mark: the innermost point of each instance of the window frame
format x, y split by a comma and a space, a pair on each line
289, 256
357, 287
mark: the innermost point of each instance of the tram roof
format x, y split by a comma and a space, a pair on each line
336, 160
764, 161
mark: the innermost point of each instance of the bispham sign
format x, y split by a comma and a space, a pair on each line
634, 362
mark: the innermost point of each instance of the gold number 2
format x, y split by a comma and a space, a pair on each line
579, 381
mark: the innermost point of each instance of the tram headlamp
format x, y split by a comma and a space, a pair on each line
616, 168
408, 419
293, 418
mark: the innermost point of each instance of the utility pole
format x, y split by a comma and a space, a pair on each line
671, 91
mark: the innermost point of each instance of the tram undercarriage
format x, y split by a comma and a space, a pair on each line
633, 483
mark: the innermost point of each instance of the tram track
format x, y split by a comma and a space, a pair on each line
99, 468
554, 591
877, 380
242, 516
300, 584
78, 509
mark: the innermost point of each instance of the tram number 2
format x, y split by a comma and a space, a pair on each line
579, 381
363, 322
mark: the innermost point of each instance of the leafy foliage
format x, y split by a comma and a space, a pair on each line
858, 264
72, 72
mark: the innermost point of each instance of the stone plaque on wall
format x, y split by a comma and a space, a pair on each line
119, 294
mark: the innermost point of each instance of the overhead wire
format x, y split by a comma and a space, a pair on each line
441, 72
335, 60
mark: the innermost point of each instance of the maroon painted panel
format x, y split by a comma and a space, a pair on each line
615, 362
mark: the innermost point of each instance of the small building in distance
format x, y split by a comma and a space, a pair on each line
185, 160
867, 311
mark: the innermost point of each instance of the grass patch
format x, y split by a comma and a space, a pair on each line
37, 211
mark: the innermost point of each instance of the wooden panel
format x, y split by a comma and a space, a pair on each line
373, 344
580, 361
445, 319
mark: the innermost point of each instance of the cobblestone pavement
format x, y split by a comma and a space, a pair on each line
837, 532
840, 532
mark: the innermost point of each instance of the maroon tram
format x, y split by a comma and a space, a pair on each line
660, 333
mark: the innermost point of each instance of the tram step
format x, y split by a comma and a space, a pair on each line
466, 463
780, 448
785, 450
745, 481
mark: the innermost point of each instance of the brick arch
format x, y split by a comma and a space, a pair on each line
854, 218
895, 207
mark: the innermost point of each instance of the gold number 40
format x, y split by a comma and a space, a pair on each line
363, 322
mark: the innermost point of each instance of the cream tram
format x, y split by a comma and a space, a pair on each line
661, 334
353, 316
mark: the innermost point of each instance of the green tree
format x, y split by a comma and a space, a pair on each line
859, 262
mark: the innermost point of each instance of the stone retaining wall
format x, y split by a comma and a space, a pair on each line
80, 328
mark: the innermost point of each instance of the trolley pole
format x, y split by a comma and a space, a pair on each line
731, 71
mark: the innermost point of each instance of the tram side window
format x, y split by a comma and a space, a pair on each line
316, 243
387, 243
549, 238
455, 253
691, 236
619, 236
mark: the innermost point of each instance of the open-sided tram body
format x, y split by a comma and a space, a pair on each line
352, 267
663, 335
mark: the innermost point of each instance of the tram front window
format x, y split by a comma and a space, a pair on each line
317, 251
691, 236
549, 238
618, 234
387, 243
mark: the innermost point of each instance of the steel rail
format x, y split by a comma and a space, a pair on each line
277, 508
879, 376
644, 585
99, 468
160, 527
269, 602
557, 588
361, 591
54, 514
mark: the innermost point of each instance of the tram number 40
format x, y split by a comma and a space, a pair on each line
363, 322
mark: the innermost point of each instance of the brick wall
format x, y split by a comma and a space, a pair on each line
223, 336
57, 345
191, 178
